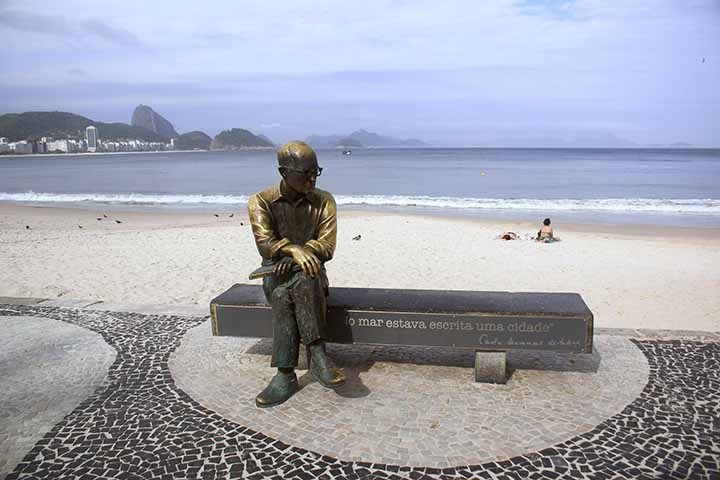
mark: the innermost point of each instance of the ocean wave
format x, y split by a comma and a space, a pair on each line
627, 205
124, 198
658, 205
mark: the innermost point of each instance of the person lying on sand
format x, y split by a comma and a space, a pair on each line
509, 236
546, 234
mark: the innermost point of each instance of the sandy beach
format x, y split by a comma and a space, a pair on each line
630, 276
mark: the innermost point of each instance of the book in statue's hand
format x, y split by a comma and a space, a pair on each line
269, 270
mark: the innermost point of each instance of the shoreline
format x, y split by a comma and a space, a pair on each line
68, 154
337, 148
621, 226
242, 149
16, 155
634, 277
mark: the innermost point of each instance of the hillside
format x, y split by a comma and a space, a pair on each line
145, 117
195, 140
364, 138
236, 138
34, 125
349, 142
260, 135
370, 139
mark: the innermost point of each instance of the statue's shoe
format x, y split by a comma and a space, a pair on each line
281, 387
324, 371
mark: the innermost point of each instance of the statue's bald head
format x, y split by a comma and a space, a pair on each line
295, 153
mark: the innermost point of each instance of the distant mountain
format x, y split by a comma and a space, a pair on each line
195, 140
363, 137
236, 138
370, 139
266, 138
681, 145
348, 142
34, 125
145, 117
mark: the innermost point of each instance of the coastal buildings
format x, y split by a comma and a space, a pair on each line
63, 146
132, 145
21, 147
91, 136
91, 143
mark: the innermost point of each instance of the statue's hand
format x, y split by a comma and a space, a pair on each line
307, 260
283, 266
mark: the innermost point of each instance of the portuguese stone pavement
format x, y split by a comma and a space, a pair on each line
88, 394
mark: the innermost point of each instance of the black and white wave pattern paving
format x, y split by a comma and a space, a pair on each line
139, 425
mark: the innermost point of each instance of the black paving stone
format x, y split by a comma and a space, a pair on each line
139, 425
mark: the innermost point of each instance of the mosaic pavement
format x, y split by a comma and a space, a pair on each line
34, 350
428, 413
139, 424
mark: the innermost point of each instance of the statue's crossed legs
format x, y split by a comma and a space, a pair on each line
299, 311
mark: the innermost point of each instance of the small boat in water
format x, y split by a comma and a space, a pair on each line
347, 151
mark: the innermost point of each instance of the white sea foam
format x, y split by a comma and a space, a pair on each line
626, 205
668, 205
123, 198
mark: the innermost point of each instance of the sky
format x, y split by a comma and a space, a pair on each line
456, 73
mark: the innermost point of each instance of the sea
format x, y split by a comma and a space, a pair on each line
669, 187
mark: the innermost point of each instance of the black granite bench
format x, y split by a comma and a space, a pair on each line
491, 323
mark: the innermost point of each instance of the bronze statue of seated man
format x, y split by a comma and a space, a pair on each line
295, 229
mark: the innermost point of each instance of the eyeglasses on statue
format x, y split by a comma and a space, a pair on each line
313, 172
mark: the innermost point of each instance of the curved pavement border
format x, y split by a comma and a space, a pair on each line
141, 425
47, 367
428, 412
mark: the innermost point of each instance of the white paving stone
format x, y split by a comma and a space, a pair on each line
189, 310
408, 404
47, 367
68, 303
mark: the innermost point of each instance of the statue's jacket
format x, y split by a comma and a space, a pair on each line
279, 216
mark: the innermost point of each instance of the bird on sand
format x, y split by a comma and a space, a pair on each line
27, 227
104, 216
241, 224
118, 221
357, 238
218, 216
99, 219
79, 226
231, 215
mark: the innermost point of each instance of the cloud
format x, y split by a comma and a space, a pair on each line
111, 34
35, 23
78, 72
412, 65
60, 26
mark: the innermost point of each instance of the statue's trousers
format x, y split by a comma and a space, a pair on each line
299, 311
